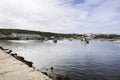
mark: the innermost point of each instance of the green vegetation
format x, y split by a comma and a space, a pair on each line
107, 36
45, 34
8, 32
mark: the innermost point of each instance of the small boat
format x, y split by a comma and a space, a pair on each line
118, 41
70, 39
87, 42
55, 40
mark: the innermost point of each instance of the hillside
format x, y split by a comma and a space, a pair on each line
8, 32
46, 34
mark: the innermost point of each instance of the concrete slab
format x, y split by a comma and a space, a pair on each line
13, 69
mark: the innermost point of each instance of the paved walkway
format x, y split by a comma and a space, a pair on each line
12, 69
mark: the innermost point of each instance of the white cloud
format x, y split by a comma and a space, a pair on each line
84, 16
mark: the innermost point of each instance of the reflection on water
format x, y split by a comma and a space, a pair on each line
94, 61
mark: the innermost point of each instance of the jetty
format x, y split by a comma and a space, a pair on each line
13, 69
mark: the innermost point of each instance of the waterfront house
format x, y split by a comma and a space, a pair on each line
89, 36
22, 36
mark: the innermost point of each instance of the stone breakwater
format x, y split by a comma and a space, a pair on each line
14, 67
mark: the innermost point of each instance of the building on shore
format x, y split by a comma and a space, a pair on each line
26, 36
89, 36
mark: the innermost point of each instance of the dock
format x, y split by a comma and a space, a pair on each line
13, 69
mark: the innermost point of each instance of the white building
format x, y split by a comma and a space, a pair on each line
25, 36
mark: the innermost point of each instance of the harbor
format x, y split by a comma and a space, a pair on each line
75, 59
59, 39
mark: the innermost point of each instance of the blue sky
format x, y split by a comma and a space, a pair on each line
66, 16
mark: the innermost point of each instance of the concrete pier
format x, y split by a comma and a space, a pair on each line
13, 69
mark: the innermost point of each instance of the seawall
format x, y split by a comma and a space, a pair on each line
13, 69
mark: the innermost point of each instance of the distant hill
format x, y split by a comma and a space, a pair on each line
47, 34
58, 35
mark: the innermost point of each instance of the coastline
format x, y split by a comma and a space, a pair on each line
14, 69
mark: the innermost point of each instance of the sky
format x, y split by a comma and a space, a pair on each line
63, 16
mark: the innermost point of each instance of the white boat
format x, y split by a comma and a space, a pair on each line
19, 41
118, 41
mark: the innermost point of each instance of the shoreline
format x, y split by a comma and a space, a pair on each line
14, 67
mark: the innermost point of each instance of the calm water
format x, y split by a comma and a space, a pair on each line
98, 60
